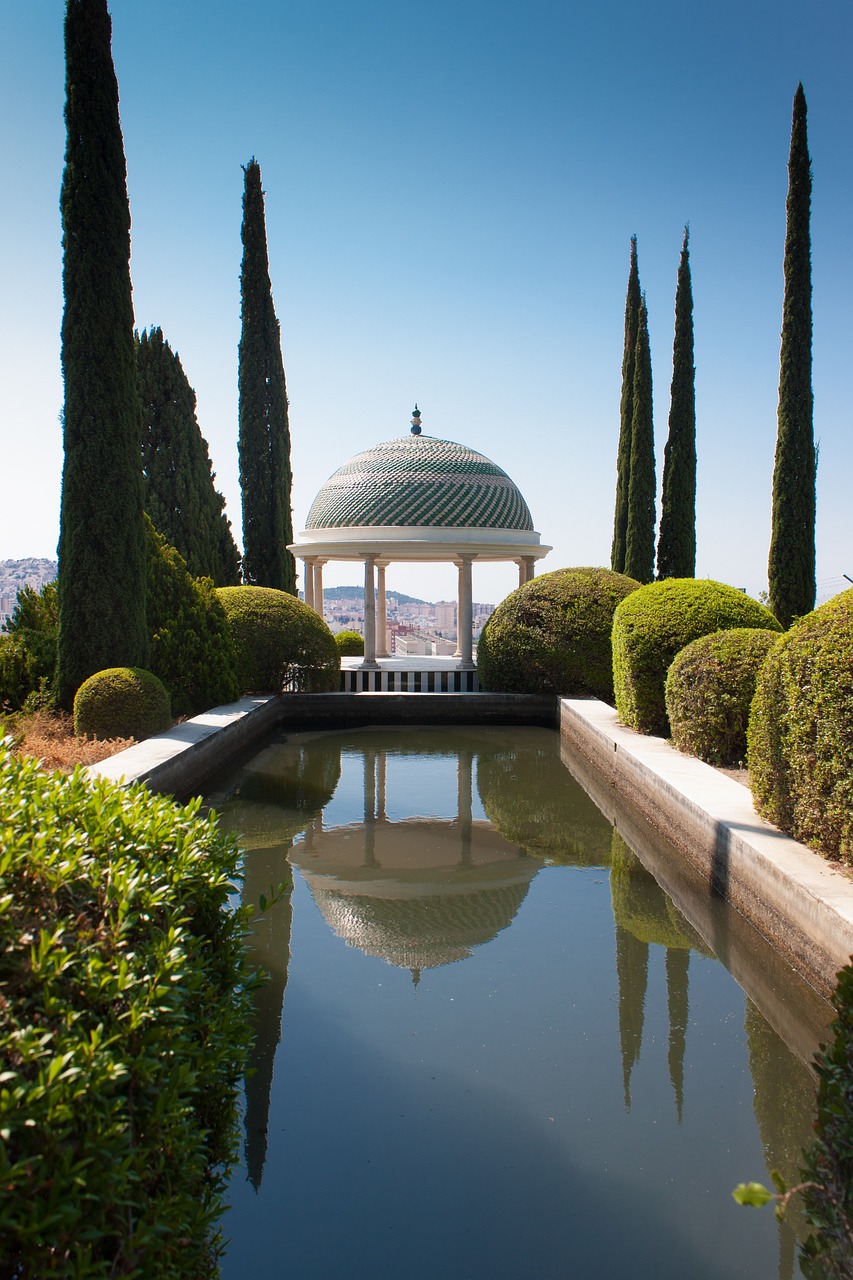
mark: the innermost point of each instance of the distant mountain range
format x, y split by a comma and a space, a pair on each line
357, 593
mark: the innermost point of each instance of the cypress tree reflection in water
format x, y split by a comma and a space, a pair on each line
423, 856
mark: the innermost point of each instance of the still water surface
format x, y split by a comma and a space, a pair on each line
491, 1047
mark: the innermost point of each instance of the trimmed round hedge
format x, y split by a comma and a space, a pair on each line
121, 702
279, 641
653, 624
350, 644
709, 690
800, 736
552, 635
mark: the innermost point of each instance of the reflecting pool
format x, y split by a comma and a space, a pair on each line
491, 1045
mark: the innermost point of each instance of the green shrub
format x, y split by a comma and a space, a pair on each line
350, 644
279, 641
121, 702
801, 731
552, 635
709, 690
653, 624
828, 1166
123, 1028
28, 650
191, 652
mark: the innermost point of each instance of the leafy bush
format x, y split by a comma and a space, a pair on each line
552, 635
279, 642
123, 1028
350, 644
653, 624
191, 647
28, 650
121, 702
801, 731
709, 690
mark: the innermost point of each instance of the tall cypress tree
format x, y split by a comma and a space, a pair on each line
265, 476
640, 536
102, 555
626, 414
180, 496
791, 565
677, 538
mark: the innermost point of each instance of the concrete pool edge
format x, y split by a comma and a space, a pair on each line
793, 897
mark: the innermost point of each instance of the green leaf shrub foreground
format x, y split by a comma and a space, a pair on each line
121, 702
650, 627
552, 635
800, 748
123, 1028
709, 691
279, 642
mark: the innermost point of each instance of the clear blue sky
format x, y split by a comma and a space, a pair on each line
451, 189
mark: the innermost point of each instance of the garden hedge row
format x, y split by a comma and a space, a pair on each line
552, 635
650, 627
800, 749
279, 641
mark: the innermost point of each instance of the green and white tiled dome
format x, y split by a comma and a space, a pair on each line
419, 480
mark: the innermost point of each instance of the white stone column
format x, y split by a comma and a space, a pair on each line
318, 586
465, 615
381, 611
308, 581
530, 568
369, 613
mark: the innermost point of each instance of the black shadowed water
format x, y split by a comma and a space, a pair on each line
491, 1047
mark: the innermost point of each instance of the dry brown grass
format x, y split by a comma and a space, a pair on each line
50, 737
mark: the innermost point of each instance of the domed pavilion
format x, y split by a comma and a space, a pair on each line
418, 499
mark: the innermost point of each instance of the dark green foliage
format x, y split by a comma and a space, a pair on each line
123, 1031
677, 536
640, 535
121, 702
265, 476
552, 635
192, 652
654, 623
179, 494
350, 643
102, 561
801, 731
828, 1167
28, 650
626, 414
280, 642
709, 690
791, 566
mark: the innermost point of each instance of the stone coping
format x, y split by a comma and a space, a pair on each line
800, 902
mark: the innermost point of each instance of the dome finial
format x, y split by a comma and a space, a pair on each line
416, 421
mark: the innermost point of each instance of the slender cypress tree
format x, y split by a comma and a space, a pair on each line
265, 476
640, 537
677, 538
102, 555
180, 496
626, 413
791, 566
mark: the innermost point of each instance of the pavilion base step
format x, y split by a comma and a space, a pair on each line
373, 680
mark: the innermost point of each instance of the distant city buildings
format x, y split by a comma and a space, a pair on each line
16, 574
415, 627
